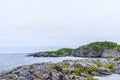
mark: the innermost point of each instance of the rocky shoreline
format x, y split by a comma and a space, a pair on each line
84, 69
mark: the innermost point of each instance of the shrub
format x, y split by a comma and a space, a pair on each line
65, 65
58, 68
98, 64
116, 59
89, 70
78, 70
60, 51
53, 66
110, 66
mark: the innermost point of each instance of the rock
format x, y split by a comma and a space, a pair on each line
117, 67
69, 70
79, 64
41, 54
57, 76
73, 77
22, 78
84, 75
104, 71
109, 53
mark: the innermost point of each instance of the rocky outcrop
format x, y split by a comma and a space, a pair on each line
110, 53
66, 70
98, 49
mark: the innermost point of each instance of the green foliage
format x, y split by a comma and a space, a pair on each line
66, 72
106, 44
65, 65
110, 66
91, 78
117, 48
89, 70
54, 52
116, 59
99, 46
60, 51
54, 66
78, 70
98, 64
65, 50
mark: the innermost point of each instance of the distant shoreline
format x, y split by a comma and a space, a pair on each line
96, 49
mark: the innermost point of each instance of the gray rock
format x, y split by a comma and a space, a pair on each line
109, 53
57, 76
104, 71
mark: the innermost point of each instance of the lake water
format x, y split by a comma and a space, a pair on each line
111, 77
9, 61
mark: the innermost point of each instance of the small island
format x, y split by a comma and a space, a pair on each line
96, 49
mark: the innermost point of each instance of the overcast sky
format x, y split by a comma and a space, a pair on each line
35, 23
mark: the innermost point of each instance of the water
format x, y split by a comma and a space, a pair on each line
9, 61
111, 77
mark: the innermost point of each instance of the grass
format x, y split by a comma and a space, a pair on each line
89, 70
91, 78
110, 66
78, 70
65, 65
58, 68
116, 59
98, 64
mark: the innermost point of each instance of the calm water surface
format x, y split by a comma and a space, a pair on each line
9, 61
111, 77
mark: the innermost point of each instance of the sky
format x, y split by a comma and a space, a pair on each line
32, 25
